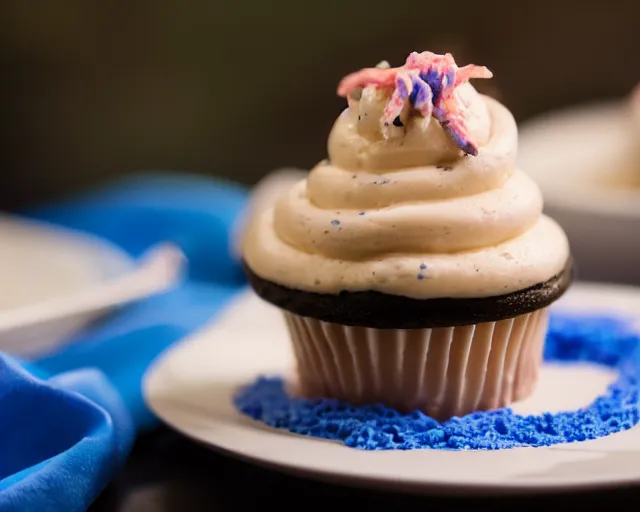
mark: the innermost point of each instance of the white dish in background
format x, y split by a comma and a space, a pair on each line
52, 281
585, 159
191, 387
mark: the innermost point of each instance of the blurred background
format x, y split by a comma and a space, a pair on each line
92, 90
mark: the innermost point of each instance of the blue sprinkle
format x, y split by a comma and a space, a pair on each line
606, 341
335, 222
422, 266
361, 213
420, 276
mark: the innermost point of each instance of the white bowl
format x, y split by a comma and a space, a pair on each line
585, 159
40, 264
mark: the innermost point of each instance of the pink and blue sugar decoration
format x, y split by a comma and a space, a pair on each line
427, 81
608, 341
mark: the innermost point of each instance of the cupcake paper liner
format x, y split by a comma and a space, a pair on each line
444, 371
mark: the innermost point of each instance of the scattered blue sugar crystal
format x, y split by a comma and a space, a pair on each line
610, 342
335, 222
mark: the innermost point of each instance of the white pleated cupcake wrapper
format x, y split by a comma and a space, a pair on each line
444, 372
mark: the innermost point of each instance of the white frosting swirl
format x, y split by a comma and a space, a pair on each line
407, 215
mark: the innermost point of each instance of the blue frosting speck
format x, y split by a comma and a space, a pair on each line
602, 340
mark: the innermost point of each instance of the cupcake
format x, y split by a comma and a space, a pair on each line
414, 266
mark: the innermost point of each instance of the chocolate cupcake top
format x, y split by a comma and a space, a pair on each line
420, 196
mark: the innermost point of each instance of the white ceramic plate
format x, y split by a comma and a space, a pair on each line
581, 158
191, 388
40, 263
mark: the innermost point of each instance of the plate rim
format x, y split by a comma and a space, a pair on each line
433, 488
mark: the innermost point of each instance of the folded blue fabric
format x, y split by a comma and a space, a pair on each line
67, 420
61, 440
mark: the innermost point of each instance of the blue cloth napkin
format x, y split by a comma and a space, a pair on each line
67, 421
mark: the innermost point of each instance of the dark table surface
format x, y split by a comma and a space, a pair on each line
167, 473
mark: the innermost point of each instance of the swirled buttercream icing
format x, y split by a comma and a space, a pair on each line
421, 202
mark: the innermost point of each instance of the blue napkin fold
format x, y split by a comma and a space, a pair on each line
61, 439
67, 420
